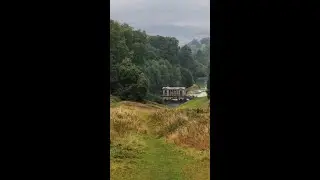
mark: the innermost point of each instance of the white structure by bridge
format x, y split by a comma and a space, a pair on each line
169, 93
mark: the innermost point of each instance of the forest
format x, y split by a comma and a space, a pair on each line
141, 64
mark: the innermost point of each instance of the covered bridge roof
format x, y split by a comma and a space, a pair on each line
173, 88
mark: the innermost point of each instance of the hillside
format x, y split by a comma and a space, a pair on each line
141, 64
150, 141
201, 102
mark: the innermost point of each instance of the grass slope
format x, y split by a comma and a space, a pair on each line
200, 102
161, 161
150, 141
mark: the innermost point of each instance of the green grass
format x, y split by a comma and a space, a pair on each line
200, 102
152, 158
161, 161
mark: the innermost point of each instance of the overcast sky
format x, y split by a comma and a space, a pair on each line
183, 19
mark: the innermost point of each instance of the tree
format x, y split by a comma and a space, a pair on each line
187, 79
140, 65
176, 76
200, 70
139, 53
118, 47
113, 75
168, 48
133, 81
152, 71
185, 57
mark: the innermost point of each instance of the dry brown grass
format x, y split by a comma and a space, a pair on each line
198, 171
184, 127
128, 117
187, 128
124, 121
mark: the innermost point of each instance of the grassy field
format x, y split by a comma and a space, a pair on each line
150, 141
201, 102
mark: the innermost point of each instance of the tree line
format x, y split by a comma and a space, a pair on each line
140, 64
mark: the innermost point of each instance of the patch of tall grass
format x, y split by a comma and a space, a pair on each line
124, 121
184, 127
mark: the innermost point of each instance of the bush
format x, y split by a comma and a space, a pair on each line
154, 98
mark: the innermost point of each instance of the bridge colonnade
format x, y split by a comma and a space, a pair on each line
169, 93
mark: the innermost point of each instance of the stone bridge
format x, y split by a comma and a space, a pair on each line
174, 93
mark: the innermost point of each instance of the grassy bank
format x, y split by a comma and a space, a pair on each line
200, 102
150, 141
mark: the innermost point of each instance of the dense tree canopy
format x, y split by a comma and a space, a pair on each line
201, 50
140, 64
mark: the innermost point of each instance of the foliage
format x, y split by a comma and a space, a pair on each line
187, 78
140, 64
133, 82
201, 50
